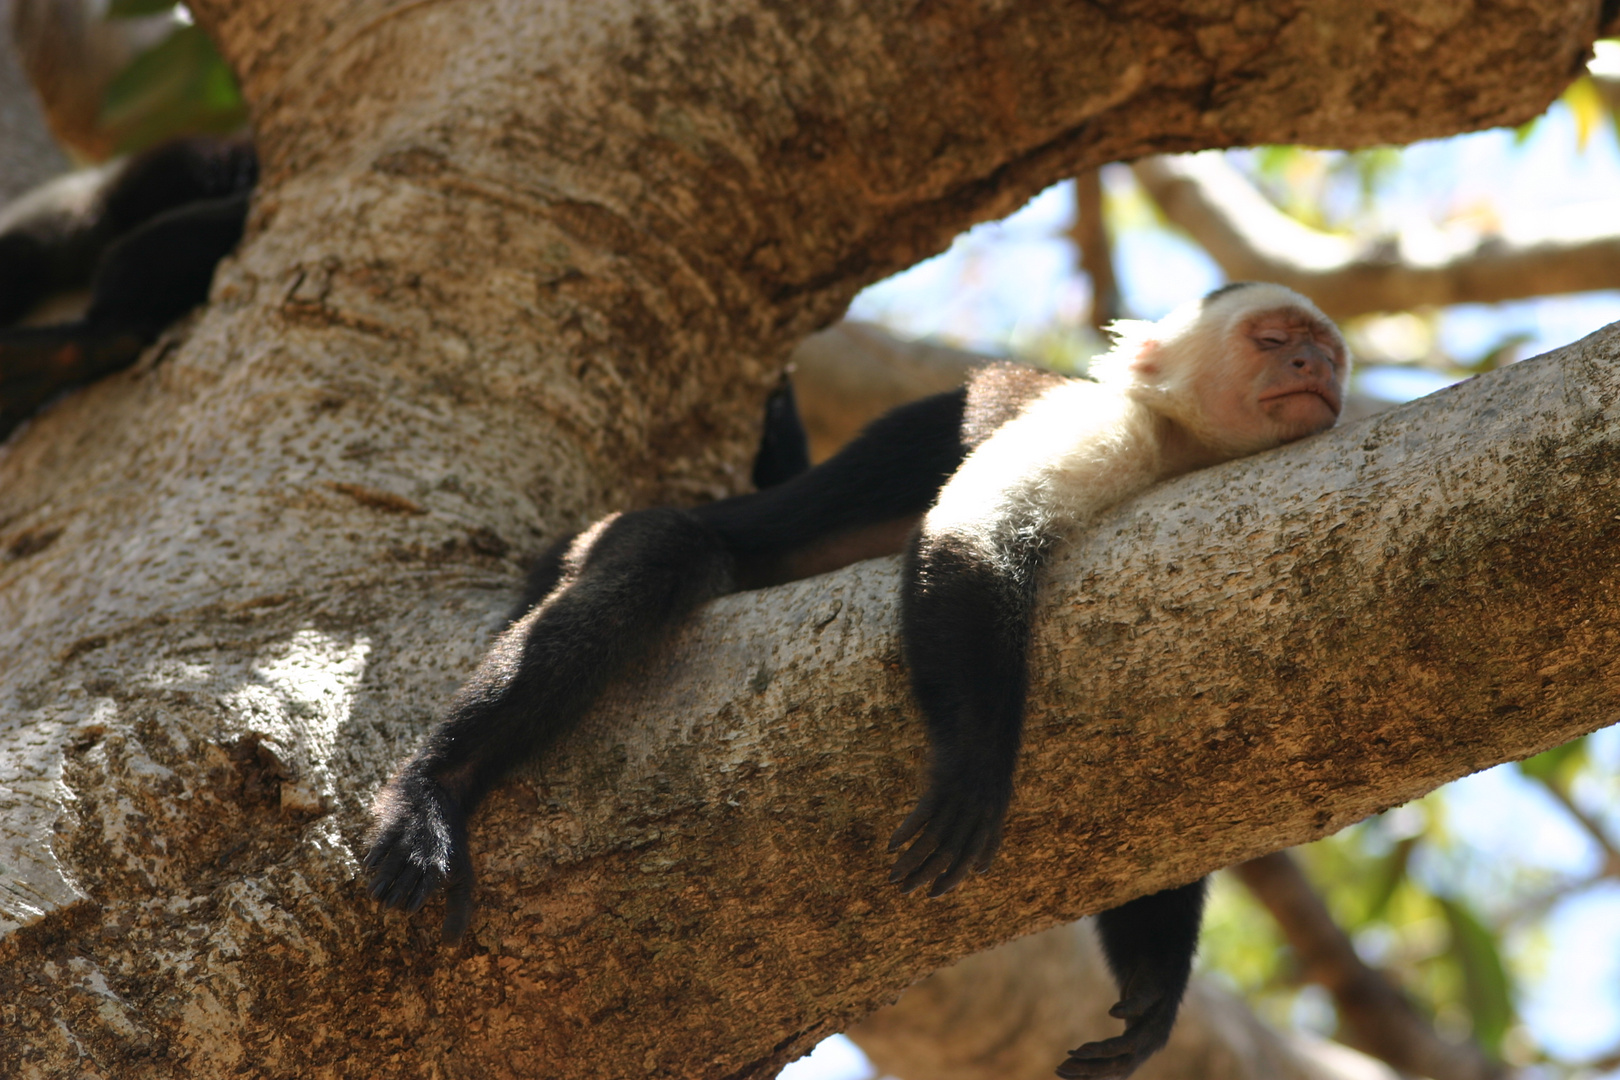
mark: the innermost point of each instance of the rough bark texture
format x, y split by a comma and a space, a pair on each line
515, 267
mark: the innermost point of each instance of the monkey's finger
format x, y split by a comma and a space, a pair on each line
423, 888
389, 868
919, 853
1141, 1038
375, 854
942, 843
399, 894
935, 865
1104, 1049
988, 854
458, 911
971, 836
1135, 1006
961, 846
914, 823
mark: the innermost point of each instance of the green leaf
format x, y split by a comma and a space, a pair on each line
1487, 991
1556, 767
134, 9
179, 86
1585, 103
1387, 875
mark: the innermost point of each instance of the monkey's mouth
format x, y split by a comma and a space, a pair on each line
1327, 397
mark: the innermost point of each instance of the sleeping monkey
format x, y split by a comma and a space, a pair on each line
975, 486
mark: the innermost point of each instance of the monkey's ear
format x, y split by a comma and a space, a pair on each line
1145, 363
1135, 355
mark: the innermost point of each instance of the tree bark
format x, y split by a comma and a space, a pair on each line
508, 272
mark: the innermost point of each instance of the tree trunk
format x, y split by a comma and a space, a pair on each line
511, 269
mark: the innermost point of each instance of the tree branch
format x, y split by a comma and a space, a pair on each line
1590, 825
1252, 240
1090, 235
1377, 1017
522, 269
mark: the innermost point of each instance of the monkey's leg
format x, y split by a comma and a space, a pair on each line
602, 598
858, 504
627, 580
965, 614
163, 269
146, 281
25, 276
1149, 943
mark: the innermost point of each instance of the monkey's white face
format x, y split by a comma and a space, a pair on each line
1282, 377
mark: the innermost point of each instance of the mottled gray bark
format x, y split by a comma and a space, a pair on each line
510, 271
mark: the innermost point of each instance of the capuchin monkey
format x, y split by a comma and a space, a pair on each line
976, 486
142, 235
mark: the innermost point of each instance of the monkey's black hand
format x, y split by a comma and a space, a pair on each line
1149, 1014
420, 845
957, 828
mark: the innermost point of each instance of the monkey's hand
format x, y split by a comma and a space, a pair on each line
1149, 1014
955, 828
420, 844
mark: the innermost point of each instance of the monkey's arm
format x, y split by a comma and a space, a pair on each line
966, 604
612, 592
967, 597
964, 620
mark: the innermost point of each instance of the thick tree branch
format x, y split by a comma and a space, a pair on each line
1245, 659
1376, 1016
1252, 240
510, 272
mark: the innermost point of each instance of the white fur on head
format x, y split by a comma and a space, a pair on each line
1153, 361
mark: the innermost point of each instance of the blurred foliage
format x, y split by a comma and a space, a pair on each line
180, 86
1459, 931
1587, 106
1334, 191
135, 9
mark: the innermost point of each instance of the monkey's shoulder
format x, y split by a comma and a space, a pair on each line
998, 393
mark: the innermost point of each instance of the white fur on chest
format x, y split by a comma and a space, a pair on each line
1075, 451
